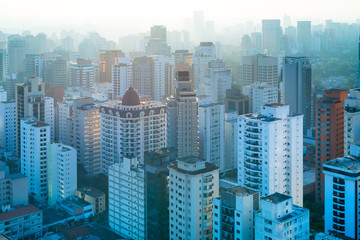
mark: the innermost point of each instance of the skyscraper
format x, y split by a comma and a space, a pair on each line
329, 133
17, 49
304, 36
351, 120
121, 77
81, 74
194, 184
83, 134
259, 68
198, 26
130, 129
30, 101
62, 172
157, 44
3, 64
8, 126
233, 213
297, 87
157, 192
342, 178
126, 199
182, 118
201, 57
212, 133
143, 76
236, 101
217, 81
265, 165
271, 32
261, 94
158, 32
35, 136
106, 61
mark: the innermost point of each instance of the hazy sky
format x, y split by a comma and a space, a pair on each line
119, 17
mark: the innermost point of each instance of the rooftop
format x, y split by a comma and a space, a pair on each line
240, 191
276, 198
93, 192
346, 163
20, 210
207, 167
131, 98
275, 105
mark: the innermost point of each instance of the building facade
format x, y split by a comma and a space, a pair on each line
8, 126
265, 165
297, 88
233, 213
126, 199
194, 184
62, 172
259, 68
329, 133
35, 136
182, 118
342, 205
157, 193
351, 120
212, 133
83, 134
279, 218
131, 128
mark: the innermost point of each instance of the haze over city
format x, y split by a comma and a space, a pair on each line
117, 18
180, 120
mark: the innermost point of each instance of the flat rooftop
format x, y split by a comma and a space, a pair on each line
93, 192
276, 198
19, 211
240, 191
347, 163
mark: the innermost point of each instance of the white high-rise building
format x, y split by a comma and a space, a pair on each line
182, 118
62, 172
217, 79
3, 94
342, 208
163, 76
194, 184
121, 77
50, 116
131, 128
279, 218
259, 68
126, 199
351, 120
212, 133
83, 134
233, 213
231, 140
201, 58
271, 152
64, 113
35, 136
261, 94
8, 126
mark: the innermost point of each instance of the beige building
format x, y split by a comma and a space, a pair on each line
83, 134
183, 118
93, 196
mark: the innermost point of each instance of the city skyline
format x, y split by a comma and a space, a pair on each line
39, 16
